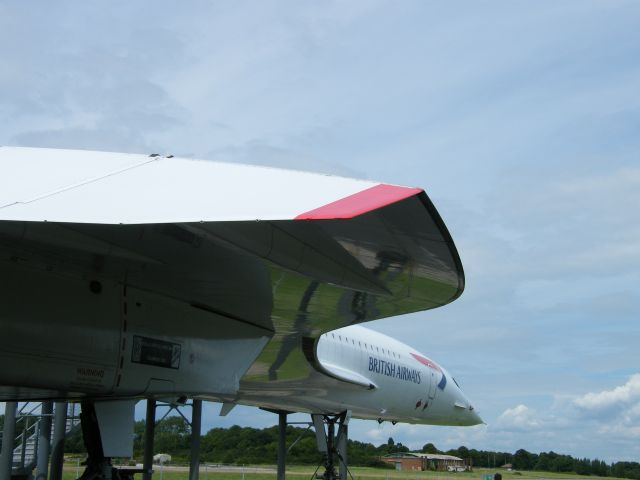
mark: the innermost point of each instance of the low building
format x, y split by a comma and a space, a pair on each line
425, 461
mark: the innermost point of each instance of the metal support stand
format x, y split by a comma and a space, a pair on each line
329, 467
342, 450
149, 432
98, 467
332, 444
196, 425
57, 446
282, 444
44, 441
8, 436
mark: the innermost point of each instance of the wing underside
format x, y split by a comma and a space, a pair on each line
294, 253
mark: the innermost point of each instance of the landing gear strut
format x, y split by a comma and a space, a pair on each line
332, 445
107, 431
98, 467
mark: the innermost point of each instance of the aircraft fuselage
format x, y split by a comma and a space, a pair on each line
372, 375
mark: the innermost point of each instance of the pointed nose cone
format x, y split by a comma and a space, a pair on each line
468, 414
468, 417
475, 418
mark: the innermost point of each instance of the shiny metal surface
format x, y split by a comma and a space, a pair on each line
289, 279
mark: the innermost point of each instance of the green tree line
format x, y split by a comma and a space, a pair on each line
242, 445
544, 461
246, 445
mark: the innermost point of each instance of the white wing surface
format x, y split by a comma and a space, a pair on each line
112, 188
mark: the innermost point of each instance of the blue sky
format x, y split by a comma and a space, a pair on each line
520, 119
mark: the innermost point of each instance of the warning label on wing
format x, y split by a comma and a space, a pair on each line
88, 378
150, 351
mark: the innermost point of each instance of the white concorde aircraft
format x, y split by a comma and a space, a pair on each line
129, 276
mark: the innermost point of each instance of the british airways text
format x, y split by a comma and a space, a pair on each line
394, 370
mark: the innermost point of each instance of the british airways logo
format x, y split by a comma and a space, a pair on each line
427, 362
433, 365
395, 370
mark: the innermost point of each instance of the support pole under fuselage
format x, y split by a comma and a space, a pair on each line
8, 436
282, 444
44, 442
196, 425
343, 436
149, 433
57, 446
329, 468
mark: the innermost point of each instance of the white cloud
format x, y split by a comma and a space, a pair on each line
519, 417
602, 422
621, 430
620, 397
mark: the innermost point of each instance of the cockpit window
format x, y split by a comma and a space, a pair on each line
454, 381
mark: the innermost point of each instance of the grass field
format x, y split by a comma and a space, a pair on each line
267, 472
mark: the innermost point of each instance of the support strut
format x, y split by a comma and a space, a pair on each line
342, 449
98, 467
333, 444
8, 435
57, 445
196, 425
282, 444
44, 441
149, 432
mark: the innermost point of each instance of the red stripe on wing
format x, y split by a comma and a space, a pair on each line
361, 202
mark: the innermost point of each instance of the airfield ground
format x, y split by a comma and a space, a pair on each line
267, 472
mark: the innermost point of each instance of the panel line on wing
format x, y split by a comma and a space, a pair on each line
80, 184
